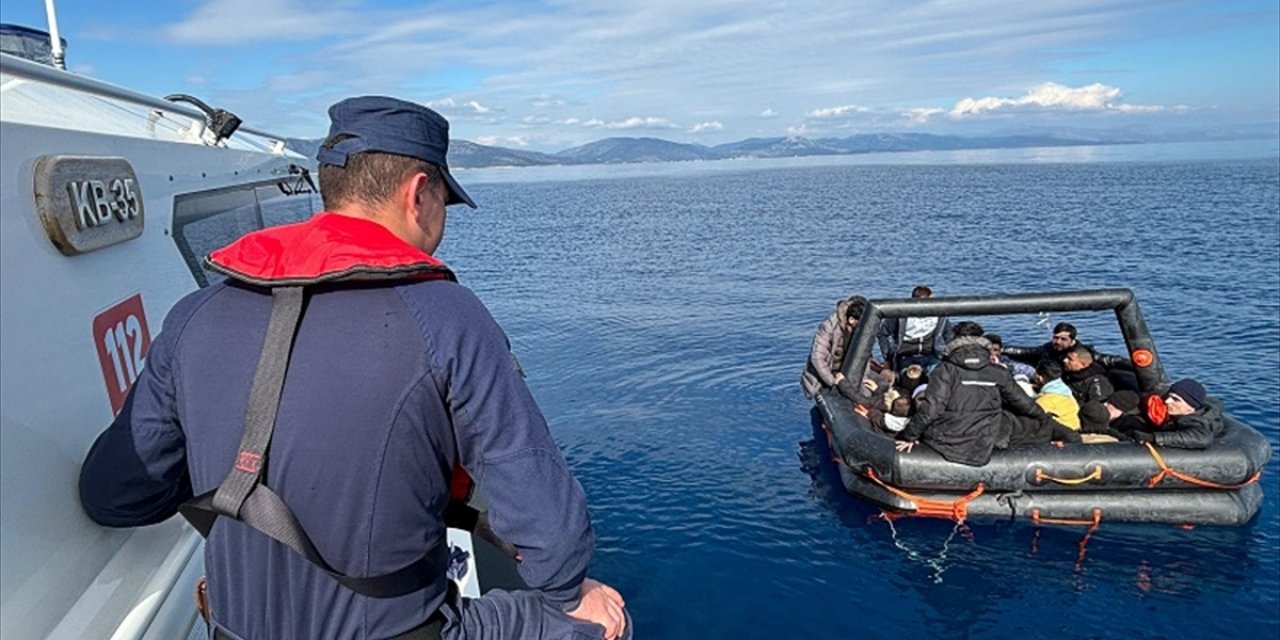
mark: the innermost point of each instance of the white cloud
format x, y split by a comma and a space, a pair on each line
624, 57
707, 126
444, 103
634, 122
450, 104
1148, 108
503, 141
798, 130
544, 100
837, 111
922, 115
223, 22
1052, 96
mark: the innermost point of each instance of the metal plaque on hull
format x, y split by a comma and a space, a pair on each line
87, 202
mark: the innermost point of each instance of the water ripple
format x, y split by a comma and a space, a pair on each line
664, 321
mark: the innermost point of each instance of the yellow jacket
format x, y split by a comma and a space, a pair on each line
1056, 399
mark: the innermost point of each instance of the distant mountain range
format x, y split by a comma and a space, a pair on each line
465, 154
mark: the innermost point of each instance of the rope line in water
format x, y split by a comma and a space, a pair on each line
938, 564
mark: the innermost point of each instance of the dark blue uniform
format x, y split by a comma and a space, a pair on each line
391, 383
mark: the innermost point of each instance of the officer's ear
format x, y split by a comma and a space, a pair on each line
414, 193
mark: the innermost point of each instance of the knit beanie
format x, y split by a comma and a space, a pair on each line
1189, 390
1093, 417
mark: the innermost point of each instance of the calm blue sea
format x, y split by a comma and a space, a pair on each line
663, 314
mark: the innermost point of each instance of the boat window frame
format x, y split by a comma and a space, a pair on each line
250, 190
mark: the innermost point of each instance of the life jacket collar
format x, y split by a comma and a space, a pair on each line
329, 247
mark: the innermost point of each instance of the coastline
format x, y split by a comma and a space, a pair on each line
1158, 152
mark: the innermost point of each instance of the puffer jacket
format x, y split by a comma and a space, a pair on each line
1193, 431
827, 353
965, 418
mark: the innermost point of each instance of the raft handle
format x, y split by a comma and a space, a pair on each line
1041, 477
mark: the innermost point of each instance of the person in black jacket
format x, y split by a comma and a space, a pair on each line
1193, 418
1086, 377
1122, 413
965, 418
1064, 338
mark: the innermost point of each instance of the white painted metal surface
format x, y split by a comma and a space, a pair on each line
61, 576
55, 41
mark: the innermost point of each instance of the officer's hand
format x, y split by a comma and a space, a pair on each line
602, 605
904, 446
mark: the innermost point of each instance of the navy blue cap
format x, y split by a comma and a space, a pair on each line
389, 125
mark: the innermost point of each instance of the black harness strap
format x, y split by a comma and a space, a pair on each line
264, 401
243, 496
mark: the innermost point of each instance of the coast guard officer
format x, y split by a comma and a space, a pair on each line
320, 398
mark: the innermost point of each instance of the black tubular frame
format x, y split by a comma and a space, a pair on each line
1132, 326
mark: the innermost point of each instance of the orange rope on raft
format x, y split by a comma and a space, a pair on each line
831, 445
1166, 470
1084, 540
957, 509
1041, 476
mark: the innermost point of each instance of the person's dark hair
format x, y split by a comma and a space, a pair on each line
901, 407
1049, 370
369, 177
968, 329
1080, 351
857, 305
994, 339
921, 292
1061, 327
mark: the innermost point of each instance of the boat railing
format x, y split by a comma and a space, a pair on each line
50, 75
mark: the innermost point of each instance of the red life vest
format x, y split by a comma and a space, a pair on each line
327, 248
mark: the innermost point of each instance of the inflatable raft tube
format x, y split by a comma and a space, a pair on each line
1235, 457
1012, 489
1202, 506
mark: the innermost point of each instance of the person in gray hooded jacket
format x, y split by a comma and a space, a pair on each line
822, 371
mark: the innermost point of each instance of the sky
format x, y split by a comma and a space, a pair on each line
548, 75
